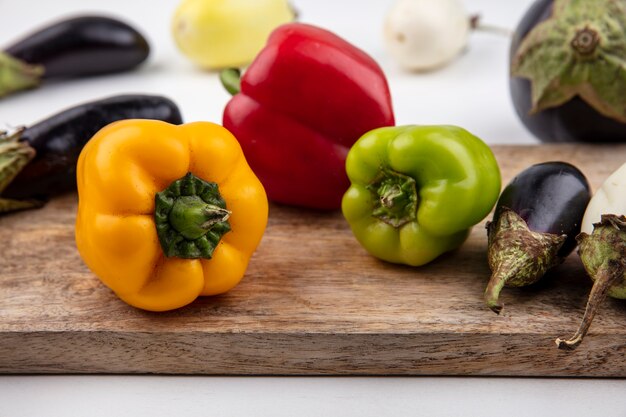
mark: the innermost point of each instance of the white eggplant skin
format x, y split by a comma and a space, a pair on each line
423, 35
609, 199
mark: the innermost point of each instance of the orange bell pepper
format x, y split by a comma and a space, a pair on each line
167, 213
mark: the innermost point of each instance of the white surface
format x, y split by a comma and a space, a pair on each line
472, 92
153, 396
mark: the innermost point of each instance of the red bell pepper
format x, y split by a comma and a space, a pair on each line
306, 98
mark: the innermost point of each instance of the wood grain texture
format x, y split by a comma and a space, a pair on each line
312, 302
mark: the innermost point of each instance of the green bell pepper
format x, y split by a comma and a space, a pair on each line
417, 190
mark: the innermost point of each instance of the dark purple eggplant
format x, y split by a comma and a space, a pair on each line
534, 226
39, 161
581, 68
76, 47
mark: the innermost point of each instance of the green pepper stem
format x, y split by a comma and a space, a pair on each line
191, 218
294, 11
609, 274
16, 75
231, 80
395, 198
215, 215
390, 195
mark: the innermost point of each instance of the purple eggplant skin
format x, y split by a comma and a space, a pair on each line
82, 46
573, 121
59, 139
550, 197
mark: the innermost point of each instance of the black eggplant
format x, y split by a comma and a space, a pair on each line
568, 70
76, 47
534, 226
39, 161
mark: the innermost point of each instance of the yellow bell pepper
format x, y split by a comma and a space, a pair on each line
218, 34
167, 213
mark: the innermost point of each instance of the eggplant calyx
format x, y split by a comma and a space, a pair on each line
606, 242
8, 205
577, 52
517, 255
15, 154
585, 41
16, 75
603, 254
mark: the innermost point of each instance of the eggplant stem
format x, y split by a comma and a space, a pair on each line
15, 154
477, 25
608, 275
9, 205
492, 292
16, 75
499, 278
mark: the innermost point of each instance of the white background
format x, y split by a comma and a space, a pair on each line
472, 92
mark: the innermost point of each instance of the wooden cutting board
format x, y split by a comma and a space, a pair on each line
312, 302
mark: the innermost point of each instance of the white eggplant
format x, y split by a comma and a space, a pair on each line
602, 249
609, 199
423, 35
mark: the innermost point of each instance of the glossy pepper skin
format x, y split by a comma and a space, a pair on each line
147, 188
417, 190
305, 99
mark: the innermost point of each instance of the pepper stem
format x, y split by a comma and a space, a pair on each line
294, 11
231, 80
395, 198
517, 255
16, 75
191, 218
609, 274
